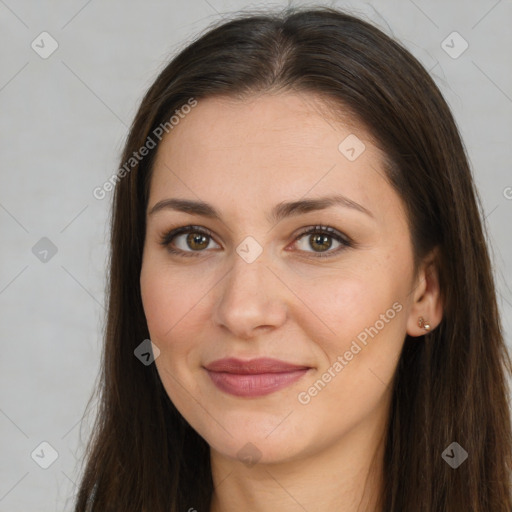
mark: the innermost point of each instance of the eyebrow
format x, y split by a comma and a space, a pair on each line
279, 212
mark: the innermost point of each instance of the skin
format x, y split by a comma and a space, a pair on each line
244, 158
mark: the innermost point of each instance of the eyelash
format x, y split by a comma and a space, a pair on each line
168, 237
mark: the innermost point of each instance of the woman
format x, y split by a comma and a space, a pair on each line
302, 312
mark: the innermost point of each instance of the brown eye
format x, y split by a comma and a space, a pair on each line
197, 241
320, 239
193, 244
323, 242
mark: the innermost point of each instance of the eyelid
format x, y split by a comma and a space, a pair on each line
170, 235
345, 241
319, 228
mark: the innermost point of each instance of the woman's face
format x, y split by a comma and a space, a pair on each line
258, 287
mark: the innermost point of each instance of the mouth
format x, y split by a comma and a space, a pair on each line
253, 378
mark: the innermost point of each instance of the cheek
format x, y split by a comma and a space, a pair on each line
171, 306
157, 302
359, 351
171, 299
343, 303
358, 316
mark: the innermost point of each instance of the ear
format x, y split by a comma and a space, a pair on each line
427, 301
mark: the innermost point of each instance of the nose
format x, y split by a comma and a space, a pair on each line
251, 299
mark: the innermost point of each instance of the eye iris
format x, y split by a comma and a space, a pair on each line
197, 238
321, 239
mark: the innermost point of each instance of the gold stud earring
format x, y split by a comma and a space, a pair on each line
422, 323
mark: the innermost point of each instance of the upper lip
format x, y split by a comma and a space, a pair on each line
253, 366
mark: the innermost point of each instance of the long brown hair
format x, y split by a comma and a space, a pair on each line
451, 386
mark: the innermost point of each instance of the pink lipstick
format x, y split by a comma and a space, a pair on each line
256, 377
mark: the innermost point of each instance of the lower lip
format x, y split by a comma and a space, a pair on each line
254, 385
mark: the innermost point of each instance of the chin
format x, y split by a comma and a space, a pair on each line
251, 445
252, 452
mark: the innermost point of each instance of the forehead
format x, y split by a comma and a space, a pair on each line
269, 148
270, 121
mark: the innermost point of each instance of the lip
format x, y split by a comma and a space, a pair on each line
255, 377
253, 366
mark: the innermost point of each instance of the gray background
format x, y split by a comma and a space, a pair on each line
62, 125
